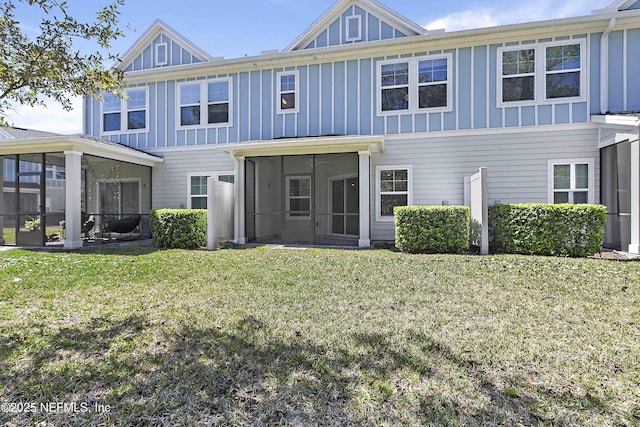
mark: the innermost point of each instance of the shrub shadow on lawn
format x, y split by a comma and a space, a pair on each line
154, 373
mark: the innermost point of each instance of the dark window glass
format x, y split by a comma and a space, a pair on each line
563, 85
288, 101
218, 113
190, 115
389, 201
395, 99
518, 89
112, 122
198, 203
432, 96
136, 120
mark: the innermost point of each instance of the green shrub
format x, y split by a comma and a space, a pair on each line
432, 229
179, 228
544, 229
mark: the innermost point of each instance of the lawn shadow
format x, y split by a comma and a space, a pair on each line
152, 373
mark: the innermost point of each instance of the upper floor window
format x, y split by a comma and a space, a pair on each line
414, 85
288, 92
125, 114
518, 75
562, 71
206, 103
571, 181
549, 72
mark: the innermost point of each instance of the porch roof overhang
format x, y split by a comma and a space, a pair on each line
302, 146
79, 143
622, 119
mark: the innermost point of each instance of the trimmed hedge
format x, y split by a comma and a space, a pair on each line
545, 229
179, 228
432, 229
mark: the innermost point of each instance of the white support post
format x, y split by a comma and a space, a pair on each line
73, 217
2, 242
634, 247
239, 226
364, 173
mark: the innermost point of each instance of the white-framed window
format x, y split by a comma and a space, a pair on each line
571, 181
414, 85
393, 188
197, 188
298, 200
563, 70
288, 92
518, 74
354, 28
128, 114
206, 103
549, 72
162, 56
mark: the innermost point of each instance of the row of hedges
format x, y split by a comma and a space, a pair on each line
179, 228
544, 229
532, 229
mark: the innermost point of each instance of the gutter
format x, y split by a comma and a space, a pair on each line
604, 68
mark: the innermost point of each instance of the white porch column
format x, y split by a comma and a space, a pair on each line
634, 247
240, 236
1, 199
364, 173
73, 217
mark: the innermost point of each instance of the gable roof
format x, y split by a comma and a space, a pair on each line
334, 12
619, 6
159, 27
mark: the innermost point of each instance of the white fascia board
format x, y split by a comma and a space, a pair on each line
296, 146
73, 143
631, 120
148, 36
428, 41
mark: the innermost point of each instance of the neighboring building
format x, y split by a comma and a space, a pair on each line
367, 110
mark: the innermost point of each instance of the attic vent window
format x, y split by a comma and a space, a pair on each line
354, 28
161, 54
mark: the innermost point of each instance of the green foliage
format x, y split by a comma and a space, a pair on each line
179, 228
545, 229
432, 229
46, 64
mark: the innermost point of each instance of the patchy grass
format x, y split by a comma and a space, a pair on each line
266, 337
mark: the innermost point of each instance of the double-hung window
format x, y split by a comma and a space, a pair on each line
206, 103
288, 93
432, 83
563, 71
519, 75
394, 80
128, 114
414, 85
393, 189
547, 72
571, 181
197, 189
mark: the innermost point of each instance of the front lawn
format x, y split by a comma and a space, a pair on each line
271, 337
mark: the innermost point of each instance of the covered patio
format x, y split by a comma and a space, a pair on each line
67, 190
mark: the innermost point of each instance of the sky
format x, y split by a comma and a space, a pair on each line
247, 27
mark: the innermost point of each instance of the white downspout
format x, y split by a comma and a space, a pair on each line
604, 68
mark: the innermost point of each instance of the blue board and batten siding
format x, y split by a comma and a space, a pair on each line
372, 28
341, 97
174, 54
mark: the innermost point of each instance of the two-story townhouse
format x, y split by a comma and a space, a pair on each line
367, 110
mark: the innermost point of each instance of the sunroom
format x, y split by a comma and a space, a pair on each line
67, 190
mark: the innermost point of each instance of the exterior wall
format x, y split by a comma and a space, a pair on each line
176, 54
341, 98
170, 178
517, 165
372, 28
